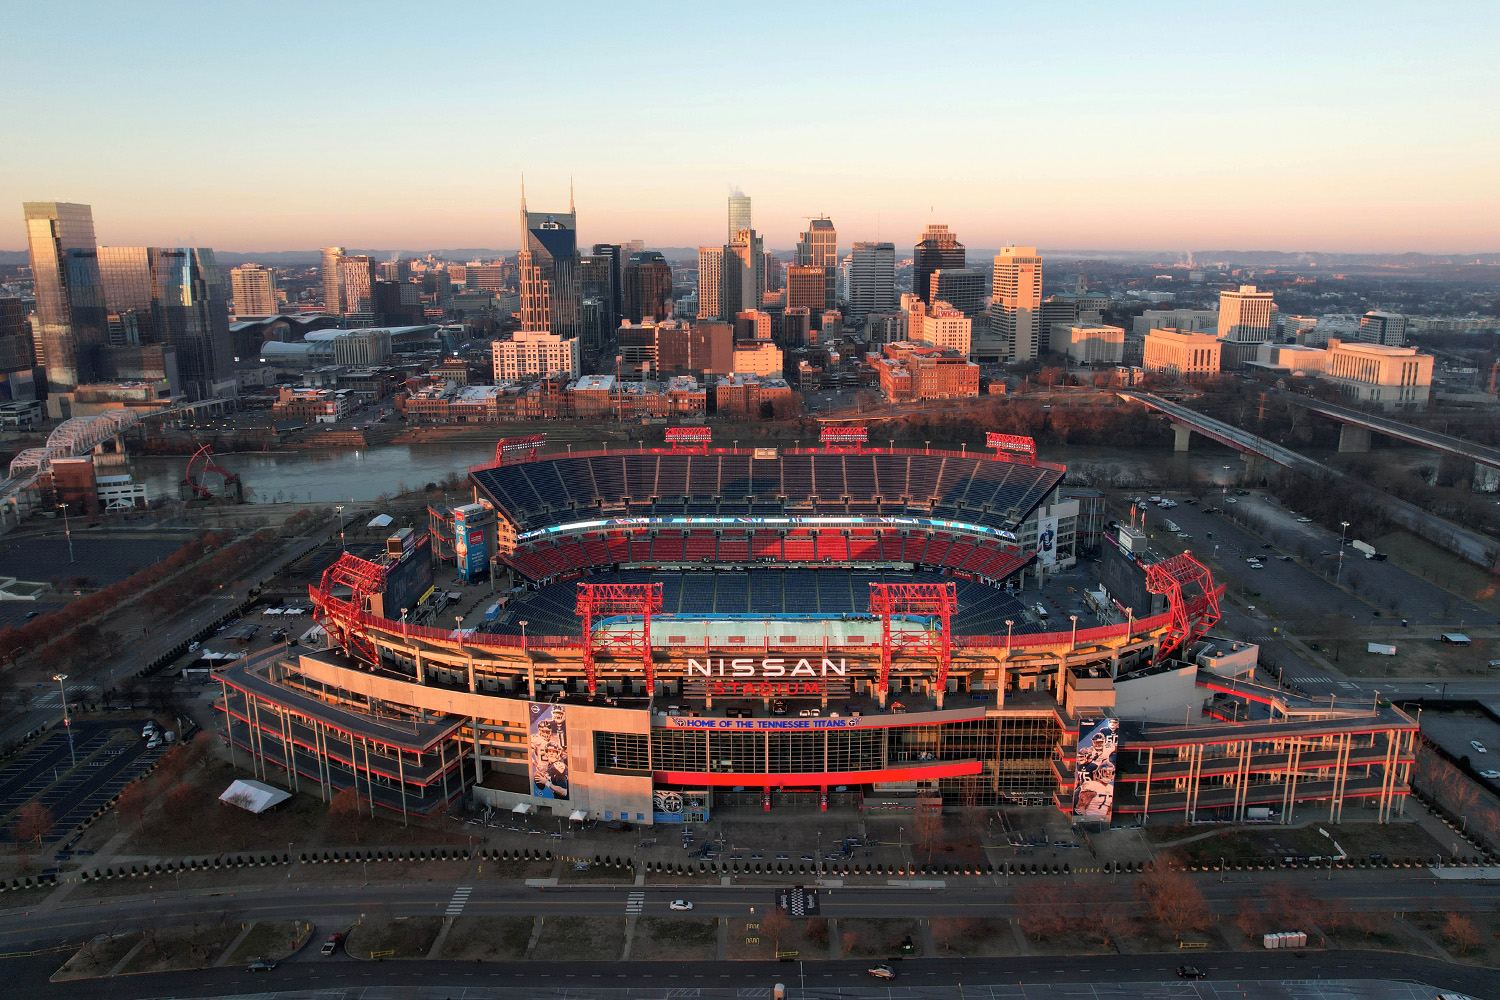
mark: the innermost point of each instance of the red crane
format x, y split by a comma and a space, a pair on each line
1192, 599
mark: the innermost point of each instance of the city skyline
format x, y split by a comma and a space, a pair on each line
1344, 154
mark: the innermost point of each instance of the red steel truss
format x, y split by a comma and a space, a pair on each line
1192, 598
599, 599
939, 599
363, 578
516, 450
1015, 444
689, 440
844, 439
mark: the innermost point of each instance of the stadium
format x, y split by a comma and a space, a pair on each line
691, 629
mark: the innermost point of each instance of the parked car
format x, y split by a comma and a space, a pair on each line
332, 944
679, 904
1489, 774
882, 972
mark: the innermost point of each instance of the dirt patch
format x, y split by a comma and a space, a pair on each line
383, 936
675, 938
1262, 845
1455, 575
500, 939
195, 946
973, 937
273, 939
578, 939
878, 938
97, 956
1416, 656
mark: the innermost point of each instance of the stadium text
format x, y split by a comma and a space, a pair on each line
770, 666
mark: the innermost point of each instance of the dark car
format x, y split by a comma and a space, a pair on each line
260, 965
1190, 972
882, 972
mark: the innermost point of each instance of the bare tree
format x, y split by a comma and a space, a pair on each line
927, 830
1172, 900
33, 822
1460, 932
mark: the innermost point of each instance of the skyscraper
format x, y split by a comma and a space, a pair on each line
805, 290
710, 282
617, 258
597, 281
551, 255
333, 296
173, 296
739, 213
1016, 312
254, 290
964, 288
872, 279
648, 287
938, 248
357, 286
70, 313
744, 274
819, 247
17, 351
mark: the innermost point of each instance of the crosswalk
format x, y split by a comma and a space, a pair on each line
635, 902
459, 900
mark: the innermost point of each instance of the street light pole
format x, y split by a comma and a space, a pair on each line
67, 531
1073, 640
340, 509
1343, 530
67, 722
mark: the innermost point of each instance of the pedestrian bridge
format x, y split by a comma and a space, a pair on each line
73, 438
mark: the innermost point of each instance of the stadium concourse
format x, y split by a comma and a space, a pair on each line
693, 627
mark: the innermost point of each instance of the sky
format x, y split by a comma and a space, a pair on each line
1332, 126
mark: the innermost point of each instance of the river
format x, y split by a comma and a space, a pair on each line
332, 476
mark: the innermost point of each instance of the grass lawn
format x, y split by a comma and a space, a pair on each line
878, 937
1485, 948
488, 938
973, 937
183, 947
97, 956
1250, 845
675, 938
409, 937
596, 873
1457, 576
580, 939
751, 939
273, 939
1416, 657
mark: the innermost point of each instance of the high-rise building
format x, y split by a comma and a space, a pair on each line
1016, 311
744, 274
805, 289
551, 293
710, 282
775, 272
1245, 315
71, 318
938, 248
253, 289
739, 214
535, 353
819, 247
1385, 328
752, 324
872, 279
333, 295
357, 286
17, 352
648, 287
596, 283
617, 258
963, 288
945, 326
174, 296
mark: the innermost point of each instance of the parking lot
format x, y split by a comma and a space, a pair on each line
111, 754
102, 559
1453, 731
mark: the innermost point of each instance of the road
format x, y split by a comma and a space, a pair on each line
340, 906
1473, 546
1482, 454
1271, 975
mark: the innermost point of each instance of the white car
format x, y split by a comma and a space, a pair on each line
1257, 565
1479, 747
1304, 520
1230, 500
679, 904
1489, 774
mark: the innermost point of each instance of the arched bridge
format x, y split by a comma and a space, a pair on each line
73, 437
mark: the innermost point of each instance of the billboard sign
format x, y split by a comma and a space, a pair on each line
1015, 443
1046, 541
1094, 775
547, 738
468, 540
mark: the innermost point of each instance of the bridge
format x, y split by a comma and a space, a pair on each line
1479, 549
72, 438
1358, 425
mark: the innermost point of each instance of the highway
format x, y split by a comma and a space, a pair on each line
1482, 454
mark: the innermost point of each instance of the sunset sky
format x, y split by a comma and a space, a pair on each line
1295, 126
